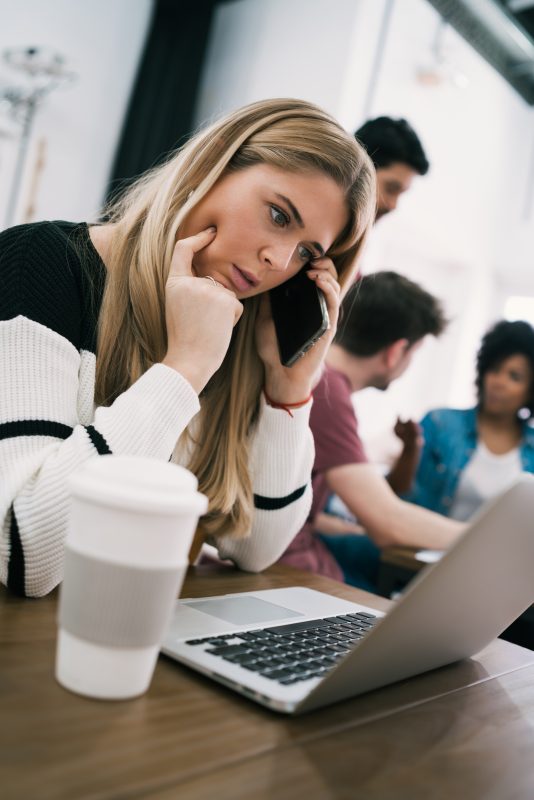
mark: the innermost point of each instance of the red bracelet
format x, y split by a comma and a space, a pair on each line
285, 406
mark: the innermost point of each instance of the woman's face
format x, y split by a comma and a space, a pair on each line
269, 224
506, 386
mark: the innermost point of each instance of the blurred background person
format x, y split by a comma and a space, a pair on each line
398, 156
471, 455
383, 320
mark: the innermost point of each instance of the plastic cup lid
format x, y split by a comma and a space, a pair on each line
138, 483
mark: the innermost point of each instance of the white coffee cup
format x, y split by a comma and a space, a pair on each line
130, 529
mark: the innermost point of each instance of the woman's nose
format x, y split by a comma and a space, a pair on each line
278, 258
498, 379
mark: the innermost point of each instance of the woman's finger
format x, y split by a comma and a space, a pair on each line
185, 249
324, 278
324, 265
331, 290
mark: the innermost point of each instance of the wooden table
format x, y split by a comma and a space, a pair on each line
464, 731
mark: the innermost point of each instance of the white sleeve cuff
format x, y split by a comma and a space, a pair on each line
149, 417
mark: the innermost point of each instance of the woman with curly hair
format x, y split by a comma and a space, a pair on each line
471, 455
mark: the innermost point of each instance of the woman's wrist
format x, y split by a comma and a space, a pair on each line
288, 407
286, 389
192, 375
286, 392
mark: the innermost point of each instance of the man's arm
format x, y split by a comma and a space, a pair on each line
388, 520
332, 525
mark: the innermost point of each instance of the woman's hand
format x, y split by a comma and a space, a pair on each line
294, 384
410, 434
200, 316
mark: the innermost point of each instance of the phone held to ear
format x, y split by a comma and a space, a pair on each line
299, 314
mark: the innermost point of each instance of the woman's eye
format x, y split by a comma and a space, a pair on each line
304, 253
278, 217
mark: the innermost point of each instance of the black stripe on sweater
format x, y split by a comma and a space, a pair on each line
15, 569
98, 441
34, 427
274, 503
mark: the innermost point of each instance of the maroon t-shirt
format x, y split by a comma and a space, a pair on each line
335, 431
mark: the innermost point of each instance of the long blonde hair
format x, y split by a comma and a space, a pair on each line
292, 135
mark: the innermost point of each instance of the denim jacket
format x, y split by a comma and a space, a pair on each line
450, 440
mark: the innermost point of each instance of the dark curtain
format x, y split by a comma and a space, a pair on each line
160, 112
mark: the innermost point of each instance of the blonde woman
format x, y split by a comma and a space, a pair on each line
151, 334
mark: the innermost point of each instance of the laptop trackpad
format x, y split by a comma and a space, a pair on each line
243, 610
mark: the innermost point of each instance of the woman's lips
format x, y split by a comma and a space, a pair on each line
243, 281
495, 398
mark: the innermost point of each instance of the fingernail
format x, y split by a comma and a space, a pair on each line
212, 229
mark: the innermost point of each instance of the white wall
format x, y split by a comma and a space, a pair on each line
461, 231
80, 124
289, 48
466, 231
457, 229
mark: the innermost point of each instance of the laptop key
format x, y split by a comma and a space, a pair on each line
324, 651
229, 650
299, 669
337, 648
338, 637
247, 636
278, 674
261, 666
246, 658
329, 662
288, 660
217, 642
323, 640
295, 626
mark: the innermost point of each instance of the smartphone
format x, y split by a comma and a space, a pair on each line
299, 314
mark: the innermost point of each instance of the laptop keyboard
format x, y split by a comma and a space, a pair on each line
292, 653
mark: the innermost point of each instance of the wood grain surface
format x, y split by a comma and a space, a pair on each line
188, 737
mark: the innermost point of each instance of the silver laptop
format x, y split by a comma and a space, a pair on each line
296, 649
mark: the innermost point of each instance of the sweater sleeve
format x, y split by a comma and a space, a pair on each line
42, 443
282, 456
48, 427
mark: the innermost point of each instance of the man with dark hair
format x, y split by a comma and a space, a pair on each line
383, 320
398, 156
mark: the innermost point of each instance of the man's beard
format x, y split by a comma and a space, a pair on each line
380, 382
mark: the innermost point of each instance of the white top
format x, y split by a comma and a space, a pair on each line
485, 476
51, 282
145, 420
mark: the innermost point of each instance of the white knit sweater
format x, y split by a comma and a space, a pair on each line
49, 425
